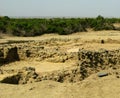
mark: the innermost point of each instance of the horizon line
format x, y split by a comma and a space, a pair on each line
57, 16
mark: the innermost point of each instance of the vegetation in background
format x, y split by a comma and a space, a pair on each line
62, 26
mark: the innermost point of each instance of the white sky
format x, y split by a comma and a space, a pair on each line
60, 8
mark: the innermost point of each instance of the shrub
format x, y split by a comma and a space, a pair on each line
62, 26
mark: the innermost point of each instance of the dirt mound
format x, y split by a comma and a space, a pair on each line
107, 87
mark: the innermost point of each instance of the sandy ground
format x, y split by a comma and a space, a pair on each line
88, 40
107, 87
92, 87
86, 36
39, 66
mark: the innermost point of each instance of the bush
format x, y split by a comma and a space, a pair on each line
103, 24
62, 26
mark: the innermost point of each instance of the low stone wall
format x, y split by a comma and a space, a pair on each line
93, 61
9, 55
13, 53
23, 76
89, 62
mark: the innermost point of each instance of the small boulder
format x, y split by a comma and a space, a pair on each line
102, 74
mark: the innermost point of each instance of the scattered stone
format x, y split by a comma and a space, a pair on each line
32, 88
102, 74
117, 76
25, 75
102, 41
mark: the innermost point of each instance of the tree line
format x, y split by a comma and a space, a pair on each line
63, 26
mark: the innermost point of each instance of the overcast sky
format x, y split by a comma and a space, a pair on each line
60, 8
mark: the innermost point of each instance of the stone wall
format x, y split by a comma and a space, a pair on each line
93, 61
11, 53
